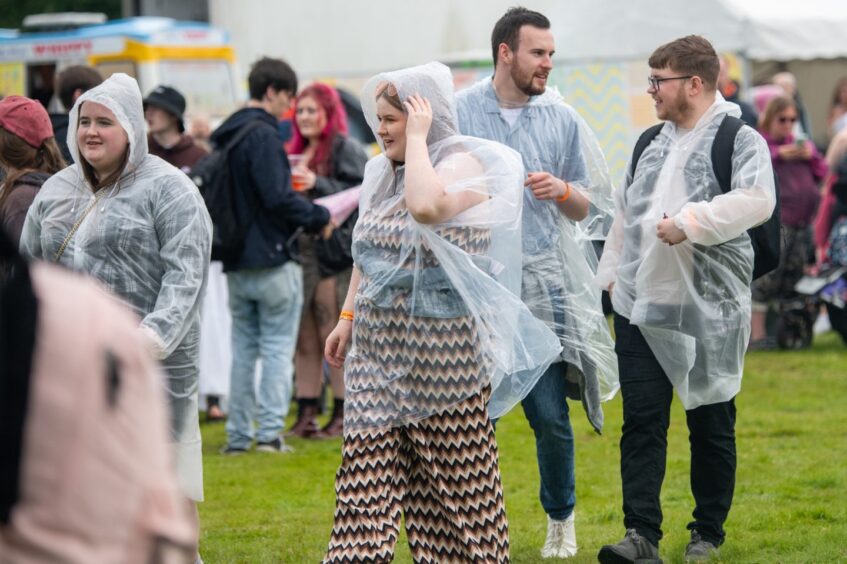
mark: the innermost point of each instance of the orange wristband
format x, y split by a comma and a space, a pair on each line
566, 195
346, 315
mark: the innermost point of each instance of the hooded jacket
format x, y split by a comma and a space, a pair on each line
147, 238
184, 155
691, 300
265, 199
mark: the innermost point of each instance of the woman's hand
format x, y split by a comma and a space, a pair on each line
419, 118
305, 177
336, 344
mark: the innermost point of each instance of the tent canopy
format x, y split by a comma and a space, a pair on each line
759, 29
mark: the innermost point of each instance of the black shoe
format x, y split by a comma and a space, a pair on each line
277, 445
699, 550
232, 451
633, 549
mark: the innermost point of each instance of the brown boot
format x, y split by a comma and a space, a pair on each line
335, 427
306, 425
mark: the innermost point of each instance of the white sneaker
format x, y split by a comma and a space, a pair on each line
561, 538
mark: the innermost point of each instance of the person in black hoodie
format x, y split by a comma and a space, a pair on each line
265, 284
71, 83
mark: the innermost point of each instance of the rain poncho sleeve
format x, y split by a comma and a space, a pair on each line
182, 229
559, 259
692, 300
147, 238
437, 313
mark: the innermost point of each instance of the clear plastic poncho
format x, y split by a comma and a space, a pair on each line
437, 312
559, 258
691, 300
148, 241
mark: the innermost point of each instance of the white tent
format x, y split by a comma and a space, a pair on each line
355, 37
783, 30
758, 29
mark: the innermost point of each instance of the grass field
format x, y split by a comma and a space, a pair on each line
790, 502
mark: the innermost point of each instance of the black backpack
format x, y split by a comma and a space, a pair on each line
766, 237
213, 177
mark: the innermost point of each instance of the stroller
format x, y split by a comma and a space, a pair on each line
829, 287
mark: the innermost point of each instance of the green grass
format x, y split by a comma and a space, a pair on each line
790, 501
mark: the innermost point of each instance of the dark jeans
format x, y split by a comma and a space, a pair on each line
647, 395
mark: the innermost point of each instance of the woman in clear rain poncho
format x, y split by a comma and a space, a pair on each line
139, 226
437, 329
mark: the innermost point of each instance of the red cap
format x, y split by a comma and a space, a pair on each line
25, 118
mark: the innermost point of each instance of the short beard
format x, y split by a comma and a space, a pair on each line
525, 87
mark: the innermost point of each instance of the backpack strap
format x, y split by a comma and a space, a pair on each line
643, 142
722, 149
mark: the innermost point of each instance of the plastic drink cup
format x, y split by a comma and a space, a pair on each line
296, 180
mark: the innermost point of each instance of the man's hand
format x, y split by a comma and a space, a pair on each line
545, 186
419, 117
669, 233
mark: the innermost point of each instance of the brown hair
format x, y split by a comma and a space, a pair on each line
73, 78
89, 172
389, 93
774, 107
508, 28
692, 55
19, 155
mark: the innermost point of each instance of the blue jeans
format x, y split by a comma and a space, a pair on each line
265, 306
546, 408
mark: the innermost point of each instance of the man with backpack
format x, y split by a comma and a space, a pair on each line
678, 264
265, 283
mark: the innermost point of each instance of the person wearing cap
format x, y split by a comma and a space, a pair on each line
29, 155
163, 109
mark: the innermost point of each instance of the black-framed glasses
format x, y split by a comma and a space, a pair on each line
655, 81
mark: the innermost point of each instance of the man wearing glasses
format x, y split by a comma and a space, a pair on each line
678, 264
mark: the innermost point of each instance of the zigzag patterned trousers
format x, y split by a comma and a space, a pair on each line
441, 474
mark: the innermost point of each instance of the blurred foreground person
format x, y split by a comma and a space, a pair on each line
86, 473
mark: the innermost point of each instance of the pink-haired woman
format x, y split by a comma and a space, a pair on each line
331, 162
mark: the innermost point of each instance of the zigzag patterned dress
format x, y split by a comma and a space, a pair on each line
440, 472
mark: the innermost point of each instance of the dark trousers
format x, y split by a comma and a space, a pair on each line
647, 395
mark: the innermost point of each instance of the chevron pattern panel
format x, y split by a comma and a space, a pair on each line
599, 92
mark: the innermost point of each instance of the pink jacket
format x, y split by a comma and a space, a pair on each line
98, 482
